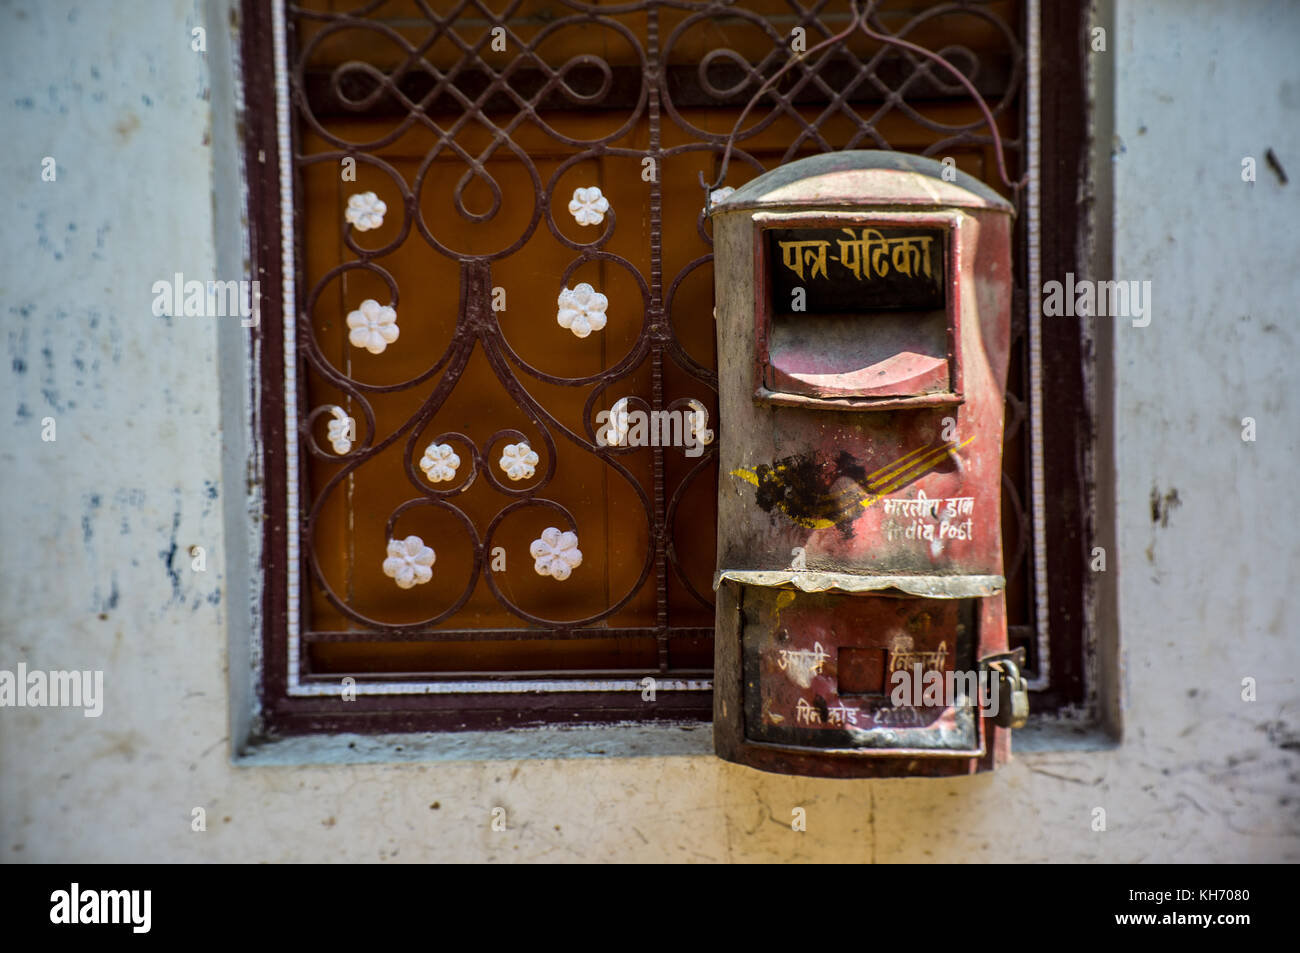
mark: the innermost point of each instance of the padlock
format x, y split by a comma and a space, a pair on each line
1013, 695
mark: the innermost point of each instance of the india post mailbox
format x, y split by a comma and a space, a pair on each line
863, 319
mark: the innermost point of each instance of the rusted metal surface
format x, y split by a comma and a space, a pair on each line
945, 587
817, 671
863, 492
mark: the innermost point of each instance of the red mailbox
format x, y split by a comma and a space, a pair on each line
863, 317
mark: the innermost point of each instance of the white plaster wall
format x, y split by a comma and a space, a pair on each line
96, 525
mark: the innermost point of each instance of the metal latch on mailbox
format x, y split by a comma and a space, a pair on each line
1008, 682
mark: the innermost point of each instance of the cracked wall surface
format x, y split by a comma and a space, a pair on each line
98, 524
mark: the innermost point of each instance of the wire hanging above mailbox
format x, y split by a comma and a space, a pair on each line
860, 20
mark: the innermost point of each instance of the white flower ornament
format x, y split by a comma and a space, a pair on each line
342, 430
588, 206
582, 310
374, 326
518, 460
439, 462
616, 425
697, 419
556, 554
365, 211
408, 562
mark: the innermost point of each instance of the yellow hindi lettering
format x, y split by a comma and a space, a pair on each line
865, 253
879, 248
852, 256
907, 256
794, 255
861, 253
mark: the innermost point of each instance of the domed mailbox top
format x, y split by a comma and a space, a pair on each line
844, 179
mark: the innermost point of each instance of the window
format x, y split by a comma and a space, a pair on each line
468, 164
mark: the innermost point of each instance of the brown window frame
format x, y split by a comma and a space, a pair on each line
1068, 431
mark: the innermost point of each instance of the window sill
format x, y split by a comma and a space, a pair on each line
569, 742
604, 741
1051, 733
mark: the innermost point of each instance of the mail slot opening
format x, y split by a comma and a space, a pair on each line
858, 308
877, 355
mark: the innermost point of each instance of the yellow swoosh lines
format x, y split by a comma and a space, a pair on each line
901, 478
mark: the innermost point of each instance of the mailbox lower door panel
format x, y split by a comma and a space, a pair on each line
811, 686
819, 671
